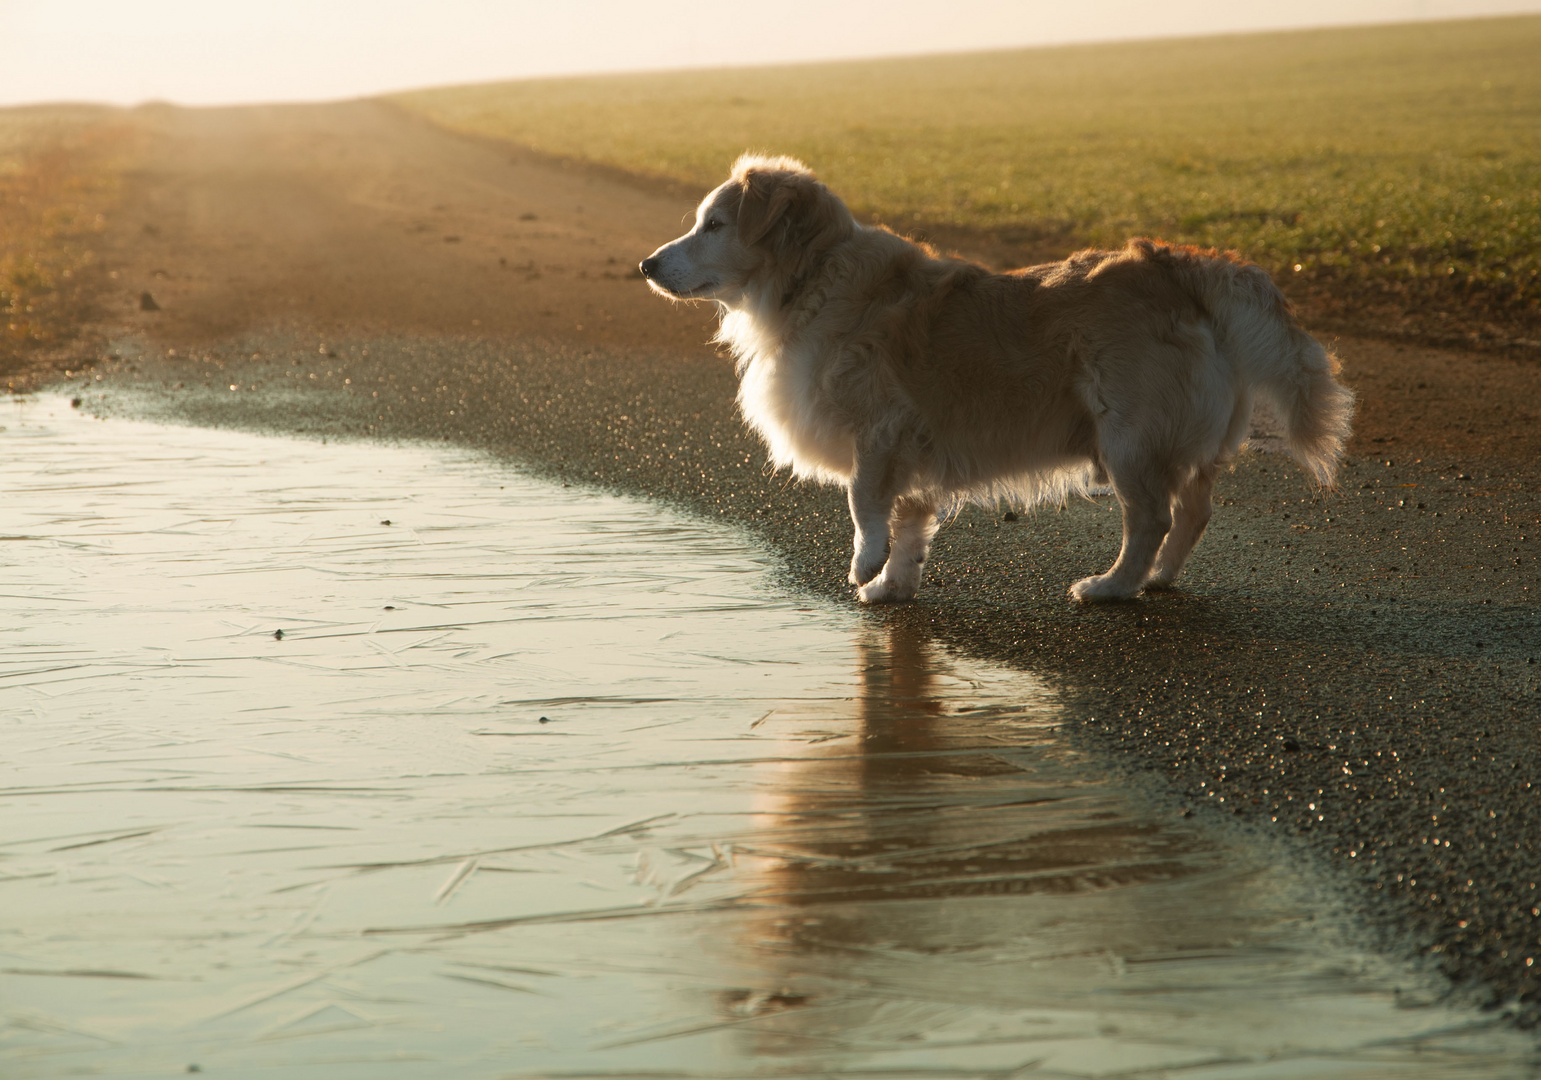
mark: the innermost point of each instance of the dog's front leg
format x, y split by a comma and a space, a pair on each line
871, 497
913, 526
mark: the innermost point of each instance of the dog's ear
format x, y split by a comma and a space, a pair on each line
781, 207
764, 200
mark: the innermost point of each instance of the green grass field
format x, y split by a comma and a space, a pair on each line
58, 178
1388, 169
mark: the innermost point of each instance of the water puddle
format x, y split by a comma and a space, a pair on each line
537, 782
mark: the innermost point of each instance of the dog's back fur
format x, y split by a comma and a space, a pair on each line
916, 381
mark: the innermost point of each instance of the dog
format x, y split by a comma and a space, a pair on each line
918, 382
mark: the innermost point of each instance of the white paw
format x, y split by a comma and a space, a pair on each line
884, 590
864, 570
1101, 587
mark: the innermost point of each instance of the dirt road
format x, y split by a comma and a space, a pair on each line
1357, 670
359, 217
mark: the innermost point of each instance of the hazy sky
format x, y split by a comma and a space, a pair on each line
216, 51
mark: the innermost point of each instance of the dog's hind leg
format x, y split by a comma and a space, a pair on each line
1191, 509
914, 524
1146, 498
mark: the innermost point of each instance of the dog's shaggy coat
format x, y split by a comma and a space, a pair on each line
915, 381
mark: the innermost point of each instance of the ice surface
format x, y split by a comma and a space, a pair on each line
536, 781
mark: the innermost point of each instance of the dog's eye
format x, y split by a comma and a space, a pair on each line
711, 225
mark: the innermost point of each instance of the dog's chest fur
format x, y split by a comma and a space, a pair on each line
785, 396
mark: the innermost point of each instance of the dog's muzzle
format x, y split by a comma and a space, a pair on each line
649, 268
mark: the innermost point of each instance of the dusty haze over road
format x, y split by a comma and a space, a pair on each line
358, 217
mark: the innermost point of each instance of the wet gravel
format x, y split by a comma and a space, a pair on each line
1359, 671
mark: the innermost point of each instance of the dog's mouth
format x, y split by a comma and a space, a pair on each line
682, 294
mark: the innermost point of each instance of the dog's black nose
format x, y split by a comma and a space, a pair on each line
649, 267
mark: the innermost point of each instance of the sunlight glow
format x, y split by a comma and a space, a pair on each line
202, 52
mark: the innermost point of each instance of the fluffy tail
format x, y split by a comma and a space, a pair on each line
1317, 410
1259, 335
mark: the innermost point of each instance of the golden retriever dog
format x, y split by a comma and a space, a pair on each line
917, 382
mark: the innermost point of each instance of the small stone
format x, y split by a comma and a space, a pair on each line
278, 635
147, 302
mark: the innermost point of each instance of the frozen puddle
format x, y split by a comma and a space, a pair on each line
543, 782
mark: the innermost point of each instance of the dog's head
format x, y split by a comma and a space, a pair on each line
760, 230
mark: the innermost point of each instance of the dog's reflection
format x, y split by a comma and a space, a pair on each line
906, 837
863, 838
861, 814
